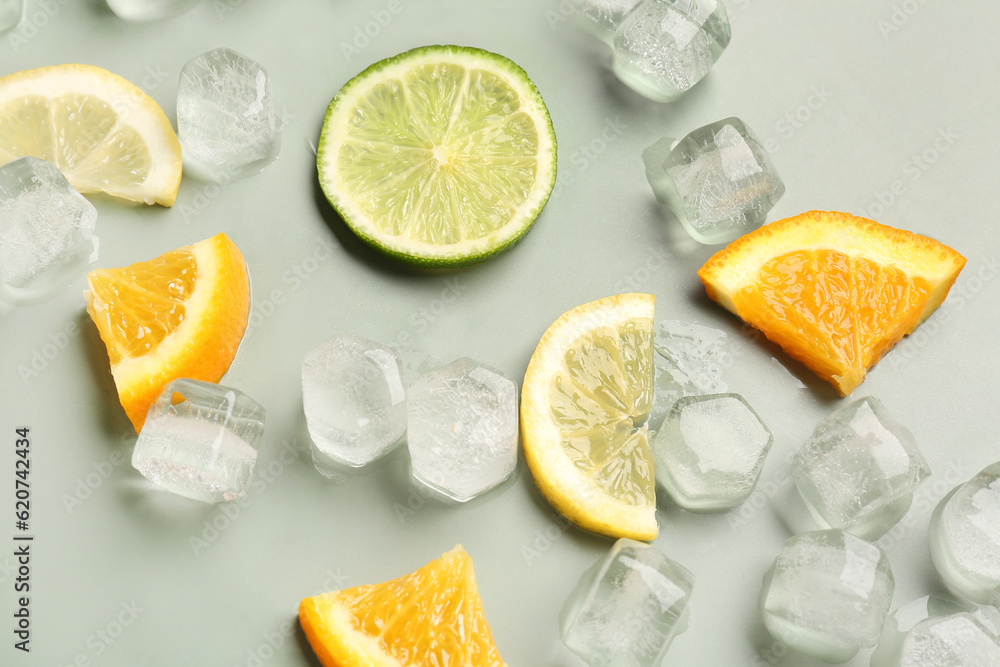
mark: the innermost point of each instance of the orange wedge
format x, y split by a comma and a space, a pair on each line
833, 290
433, 616
182, 314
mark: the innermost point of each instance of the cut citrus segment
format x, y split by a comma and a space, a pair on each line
181, 315
588, 384
834, 291
433, 616
104, 134
439, 156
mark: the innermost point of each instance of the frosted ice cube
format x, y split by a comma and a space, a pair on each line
965, 537
710, 451
150, 10
959, 640
200, 441
46, 229
664, 47
858, 470
627, 608
462, 428
354, 398
688, 360
226, 120
718, 180
11, 13
898, 625
605, 15
827, 594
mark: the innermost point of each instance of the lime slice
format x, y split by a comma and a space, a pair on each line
439, 156
589, 383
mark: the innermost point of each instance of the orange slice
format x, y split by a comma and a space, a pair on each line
833, 290
182, 314
433, 616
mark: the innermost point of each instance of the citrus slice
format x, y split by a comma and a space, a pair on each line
103, 133
433, 616
439, 156
589, 382
181, 315
834, 291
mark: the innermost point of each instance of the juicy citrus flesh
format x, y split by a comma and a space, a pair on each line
587, 387
834, 291
102, 132
433, 616
442, 155
182, 314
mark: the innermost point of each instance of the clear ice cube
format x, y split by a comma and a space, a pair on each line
462, 429
858, 470
11, 13
226, 120
688, 360
354, 398
200, 440
710, 451
827, 594
718, 180
664, 47
46, 229
965, 538
604, 16
890, 649
627, 608
150, 10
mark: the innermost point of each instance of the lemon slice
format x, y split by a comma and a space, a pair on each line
439, 156
589, 382
179, 315
102, 132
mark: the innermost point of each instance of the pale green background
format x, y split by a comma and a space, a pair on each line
877, 97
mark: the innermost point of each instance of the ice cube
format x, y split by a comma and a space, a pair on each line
827, 594
462, 428
11, 13
718, 180
150, 10
710, 451
200, 440
627, 608
965, 537
605, 16
664, 47
858, 470
354, 398
46, 229
688, 360
226, 120
959, 640
900, 622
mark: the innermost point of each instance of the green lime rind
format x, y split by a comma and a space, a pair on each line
402, 247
